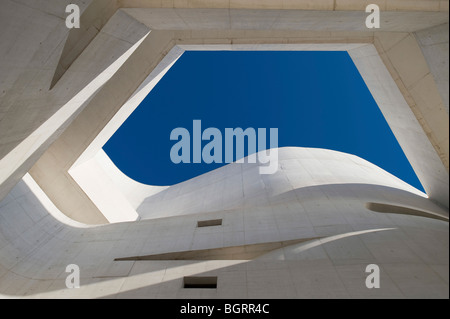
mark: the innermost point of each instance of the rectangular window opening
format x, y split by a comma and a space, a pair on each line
209, 223
200, 282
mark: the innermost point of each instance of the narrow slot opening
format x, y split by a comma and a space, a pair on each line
209, 223
200, 282
393, 209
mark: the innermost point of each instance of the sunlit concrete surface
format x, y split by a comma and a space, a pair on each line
63, 93
317, 197
94, 172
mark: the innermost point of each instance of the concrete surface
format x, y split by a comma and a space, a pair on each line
317, 199
62, 93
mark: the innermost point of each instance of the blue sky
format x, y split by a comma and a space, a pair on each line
315, 99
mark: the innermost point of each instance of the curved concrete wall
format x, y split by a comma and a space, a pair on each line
401, 90
318, 197
241, 185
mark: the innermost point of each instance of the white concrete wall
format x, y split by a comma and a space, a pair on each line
90, 169
412, 111
421, 154
434, 45
54, 164
240, 185
299, 202
251, 19
327, 210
